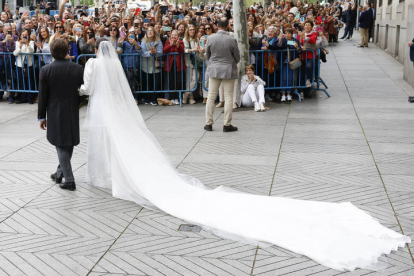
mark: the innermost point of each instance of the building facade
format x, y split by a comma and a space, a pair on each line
394, 28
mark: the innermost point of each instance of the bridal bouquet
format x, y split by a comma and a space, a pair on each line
84, 100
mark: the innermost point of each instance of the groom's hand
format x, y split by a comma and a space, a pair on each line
43, 124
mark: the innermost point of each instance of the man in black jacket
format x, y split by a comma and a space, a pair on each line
58, 98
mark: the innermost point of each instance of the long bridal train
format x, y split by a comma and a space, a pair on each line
124, 155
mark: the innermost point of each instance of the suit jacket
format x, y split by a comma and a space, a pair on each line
58, 97
222, 53
412, 52
365, 19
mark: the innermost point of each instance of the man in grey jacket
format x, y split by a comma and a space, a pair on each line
223, 55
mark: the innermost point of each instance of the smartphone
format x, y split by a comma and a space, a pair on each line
319, 29
132, 36
175, 17
78, 29
291, 43
78, 7
62, 32
96, 11
24, 37
302, 19
32, 32
136, 25
96, 19
297, 15
202, 43
91, 35
201, 7
126, 26
38, 6
9, 32
199, 13
58, 19
144, 13
147, 20
166, 29
164, 9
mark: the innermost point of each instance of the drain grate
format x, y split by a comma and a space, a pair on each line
189, 228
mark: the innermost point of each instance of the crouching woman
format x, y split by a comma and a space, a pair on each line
252, 89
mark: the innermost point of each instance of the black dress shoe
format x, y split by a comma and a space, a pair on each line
229, 128
54, 177
411, 100
20, 101
208, 127
71, 186
411, 97
30, 101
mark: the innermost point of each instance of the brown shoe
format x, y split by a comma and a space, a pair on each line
229, 128
208, 127
204, 100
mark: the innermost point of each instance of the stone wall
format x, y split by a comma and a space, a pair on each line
408, 65
394, 29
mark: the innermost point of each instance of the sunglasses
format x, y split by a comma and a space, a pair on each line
58, 27
207, 29
113, 30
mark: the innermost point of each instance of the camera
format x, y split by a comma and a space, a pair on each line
91, 35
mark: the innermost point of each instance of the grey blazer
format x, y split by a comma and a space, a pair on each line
223, 55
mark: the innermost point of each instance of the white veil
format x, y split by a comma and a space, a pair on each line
124, 155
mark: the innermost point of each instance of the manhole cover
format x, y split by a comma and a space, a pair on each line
189, 228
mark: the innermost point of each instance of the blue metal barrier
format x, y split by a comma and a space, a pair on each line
282, 74
22, 72
147, 75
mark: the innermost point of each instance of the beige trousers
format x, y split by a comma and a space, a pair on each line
364, 36
213, 90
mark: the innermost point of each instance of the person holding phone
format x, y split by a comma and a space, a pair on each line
151, 52
130, 63
24, 67
174, 66
87, 42
191, 46
288, 75
7, 45
72, 49
114, 39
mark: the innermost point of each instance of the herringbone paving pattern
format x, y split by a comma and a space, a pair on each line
355, 146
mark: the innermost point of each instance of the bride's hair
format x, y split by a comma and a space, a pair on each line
99, 40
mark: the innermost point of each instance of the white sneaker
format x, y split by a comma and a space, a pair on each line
302, 96
256, 106
283, 99
308, 83
176, 101
262, 107
289, 98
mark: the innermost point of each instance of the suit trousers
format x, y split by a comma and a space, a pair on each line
364, 36
65, 167
228, 86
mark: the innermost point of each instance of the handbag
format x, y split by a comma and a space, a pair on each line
162, 101
294, 64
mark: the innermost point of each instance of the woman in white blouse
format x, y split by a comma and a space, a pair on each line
24, 67
252, 89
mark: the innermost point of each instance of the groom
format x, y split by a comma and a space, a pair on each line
58, 98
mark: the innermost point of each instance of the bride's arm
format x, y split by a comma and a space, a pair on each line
87, 78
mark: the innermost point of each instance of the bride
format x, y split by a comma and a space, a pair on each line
125, 156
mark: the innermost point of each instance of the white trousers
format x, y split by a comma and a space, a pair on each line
253, 95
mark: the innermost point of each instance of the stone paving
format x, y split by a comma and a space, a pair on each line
355, 146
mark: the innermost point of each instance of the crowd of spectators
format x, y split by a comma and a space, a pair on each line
300, 27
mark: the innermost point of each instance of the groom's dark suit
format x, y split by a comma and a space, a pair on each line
58, 97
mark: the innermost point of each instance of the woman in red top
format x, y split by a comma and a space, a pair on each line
308, 39
174, 65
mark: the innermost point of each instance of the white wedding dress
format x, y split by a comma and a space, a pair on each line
124, 155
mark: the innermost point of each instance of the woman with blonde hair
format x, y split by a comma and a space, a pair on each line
191, 46
151, 52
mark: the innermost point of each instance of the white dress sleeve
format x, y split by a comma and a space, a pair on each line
87, 78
